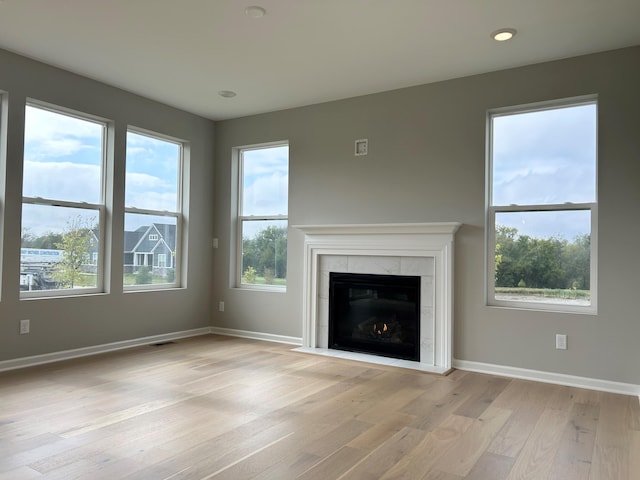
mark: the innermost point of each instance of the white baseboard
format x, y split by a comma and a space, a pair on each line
93, 350
548, 377
269, 337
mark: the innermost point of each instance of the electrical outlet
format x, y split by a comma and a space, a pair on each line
221, 306
561, 342
215, 243
25, 326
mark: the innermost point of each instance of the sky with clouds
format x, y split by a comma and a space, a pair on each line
265, 187
63, 161
265, 181
541, 158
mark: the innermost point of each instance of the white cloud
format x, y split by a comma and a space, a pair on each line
151, 192
49, 134
62, 181
544, 157
267, 195
39, 220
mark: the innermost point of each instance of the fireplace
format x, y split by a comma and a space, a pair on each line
405, 249
375, 314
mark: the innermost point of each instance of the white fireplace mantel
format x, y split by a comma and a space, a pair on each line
393, 248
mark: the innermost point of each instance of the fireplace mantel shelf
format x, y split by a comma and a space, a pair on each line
426, 249
446, 228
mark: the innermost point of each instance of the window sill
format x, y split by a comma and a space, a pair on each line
545, 307
263, 288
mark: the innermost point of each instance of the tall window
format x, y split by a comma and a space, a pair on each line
153, 211
542, 212
263, 216
62, 203
3, 153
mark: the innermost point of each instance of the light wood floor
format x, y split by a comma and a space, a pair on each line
222, 408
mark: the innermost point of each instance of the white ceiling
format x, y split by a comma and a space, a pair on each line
182, 52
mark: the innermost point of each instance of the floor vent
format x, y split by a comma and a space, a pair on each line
160, 344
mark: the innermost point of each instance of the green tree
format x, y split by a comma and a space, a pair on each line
576, 260
75, 245
266, 252
143, 276
49, 240
541, 263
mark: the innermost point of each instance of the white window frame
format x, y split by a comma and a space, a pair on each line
492, 210
99, 207
241, 219
177, 215
3, 170
153, 237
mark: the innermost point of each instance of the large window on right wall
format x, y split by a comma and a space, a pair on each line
542, 206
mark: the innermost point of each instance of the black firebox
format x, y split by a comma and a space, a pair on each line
375, 314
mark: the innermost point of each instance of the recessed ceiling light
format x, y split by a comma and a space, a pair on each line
503, 34
227, 93
255, 11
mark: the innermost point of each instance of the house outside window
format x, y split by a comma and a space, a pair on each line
263, 216
63, 202
153, 211
542, 206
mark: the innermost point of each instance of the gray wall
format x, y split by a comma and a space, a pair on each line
426, 163
67, 323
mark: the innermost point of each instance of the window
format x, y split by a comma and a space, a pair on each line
3, 154
262, 218
542, 211
153, 211
62, 203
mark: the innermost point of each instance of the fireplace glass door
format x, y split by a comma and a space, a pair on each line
375, 314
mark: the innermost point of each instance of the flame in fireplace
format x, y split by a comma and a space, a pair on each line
380, 329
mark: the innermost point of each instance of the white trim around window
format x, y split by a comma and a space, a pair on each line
274, 170
54, 204
513, 205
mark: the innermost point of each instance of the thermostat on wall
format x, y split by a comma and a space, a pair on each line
362, 147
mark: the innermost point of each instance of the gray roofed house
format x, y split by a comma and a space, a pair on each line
152, 246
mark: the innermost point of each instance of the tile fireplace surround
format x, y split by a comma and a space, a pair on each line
420, 249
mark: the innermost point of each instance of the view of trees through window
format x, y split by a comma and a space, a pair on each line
542, 211
262, 218
264, 256
65, 259
544, 267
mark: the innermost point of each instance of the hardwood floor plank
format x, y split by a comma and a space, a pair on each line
491, 467
425, 455
381, 431
386, 455
437, 404
573, 460
634, 453
334, 465
23, 473
438, 475
536, 458
466, 451
476, 405
528, 400
612, 443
